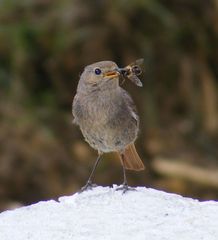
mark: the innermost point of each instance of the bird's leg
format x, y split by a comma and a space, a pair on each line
89, 185
124, 186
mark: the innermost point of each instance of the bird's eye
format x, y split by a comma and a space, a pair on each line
97, 71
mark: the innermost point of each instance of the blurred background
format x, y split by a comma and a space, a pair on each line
44, 46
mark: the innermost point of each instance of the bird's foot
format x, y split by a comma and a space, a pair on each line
125, 188
89, 186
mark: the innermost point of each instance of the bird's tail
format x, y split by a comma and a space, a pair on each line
130, 159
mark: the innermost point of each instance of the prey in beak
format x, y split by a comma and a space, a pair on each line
132, 71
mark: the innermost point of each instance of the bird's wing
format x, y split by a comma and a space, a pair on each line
130, 104
76, 109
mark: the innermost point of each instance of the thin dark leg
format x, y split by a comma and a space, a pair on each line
94, 167
124, 172
125, 186
89, 184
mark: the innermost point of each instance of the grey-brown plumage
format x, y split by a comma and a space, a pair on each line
106, 114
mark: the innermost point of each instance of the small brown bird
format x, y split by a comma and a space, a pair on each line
107, 117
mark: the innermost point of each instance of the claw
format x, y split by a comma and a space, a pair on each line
89, 186
125, 188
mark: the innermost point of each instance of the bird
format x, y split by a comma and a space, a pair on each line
107, 117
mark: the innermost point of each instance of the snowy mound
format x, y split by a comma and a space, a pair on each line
104, 213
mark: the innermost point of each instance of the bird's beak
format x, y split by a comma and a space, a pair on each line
112, 74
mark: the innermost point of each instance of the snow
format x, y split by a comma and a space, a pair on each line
104, 213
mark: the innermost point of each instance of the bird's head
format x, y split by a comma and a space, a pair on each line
100, 75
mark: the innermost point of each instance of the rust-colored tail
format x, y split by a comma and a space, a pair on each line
131, 159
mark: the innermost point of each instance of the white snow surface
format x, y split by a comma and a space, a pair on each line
104, 213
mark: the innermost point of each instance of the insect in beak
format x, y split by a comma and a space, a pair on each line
132, 71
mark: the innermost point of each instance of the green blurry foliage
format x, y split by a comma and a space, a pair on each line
44, 46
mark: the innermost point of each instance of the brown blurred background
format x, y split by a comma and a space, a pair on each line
45, 44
